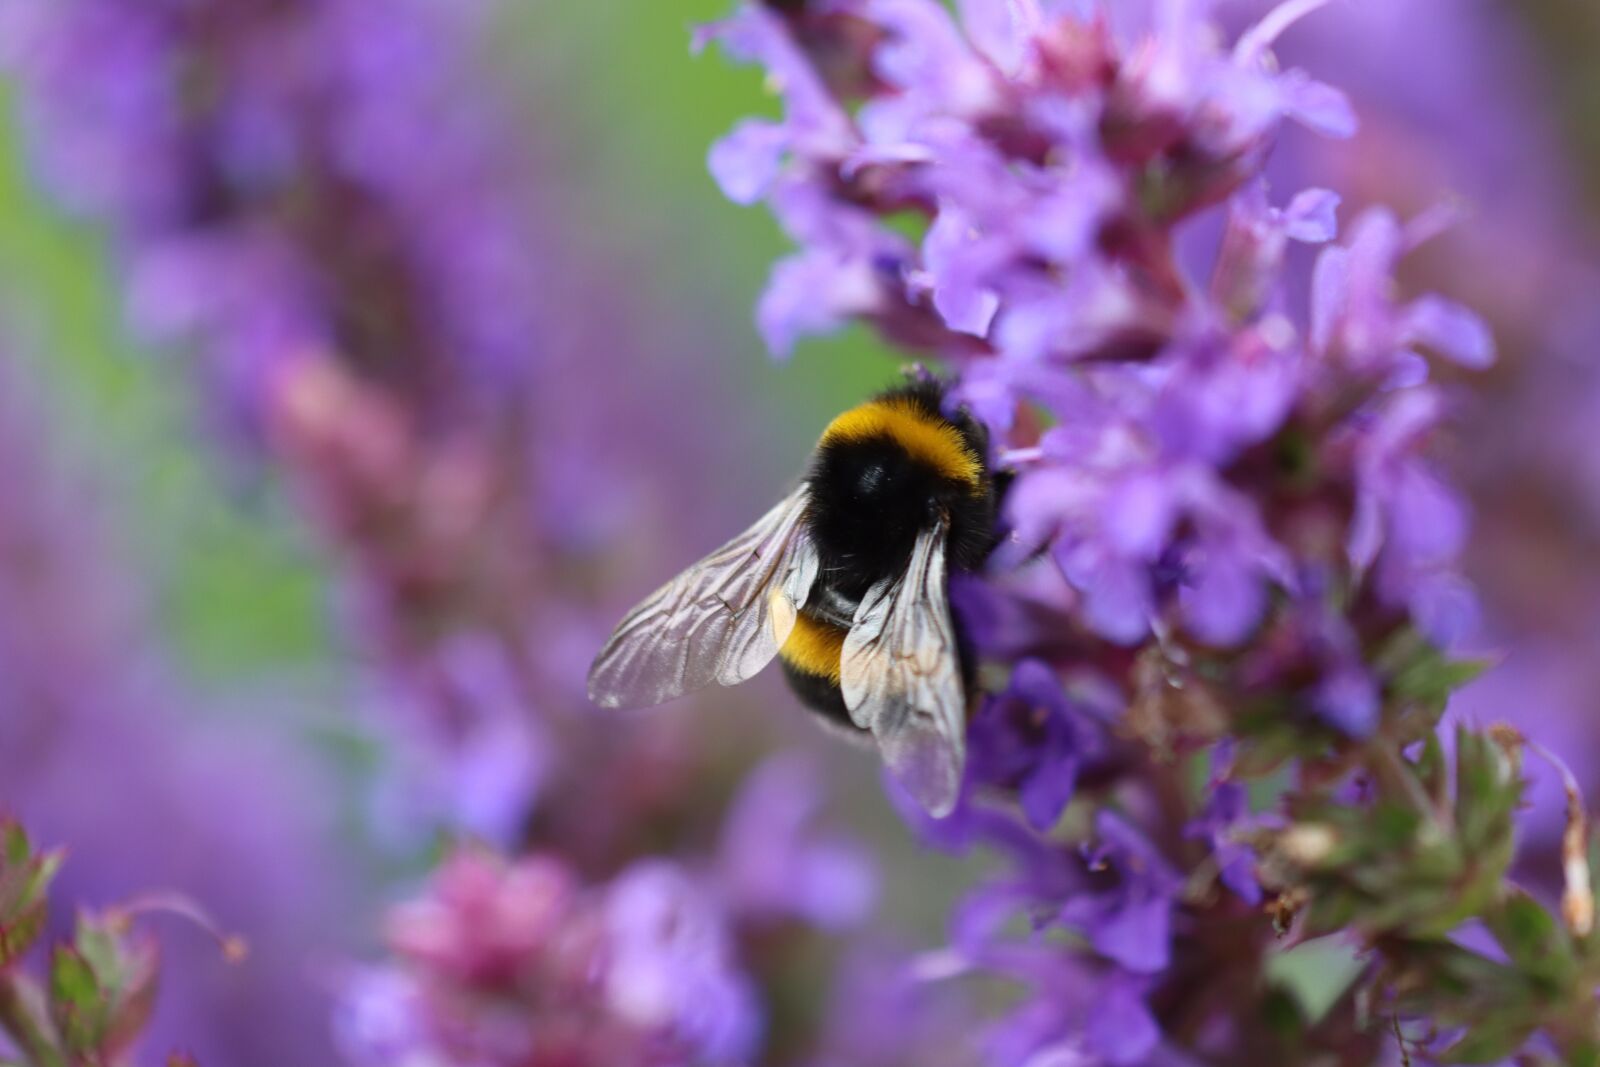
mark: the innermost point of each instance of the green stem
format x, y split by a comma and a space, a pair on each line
1398, 778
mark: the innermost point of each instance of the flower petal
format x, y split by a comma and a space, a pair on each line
745, 163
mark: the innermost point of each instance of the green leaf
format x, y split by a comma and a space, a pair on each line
1581, 1053
1316, 973
20, 931
1390, 828
103, 987
25, 878
77, 1002
1533, 940
1489, 1043
14, 847
100, 947
1417, 671
1331, 910
1432, 771
1488, 793
1431, 678
1446, 981
136, 1000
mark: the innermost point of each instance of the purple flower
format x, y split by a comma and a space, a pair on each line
1109, 507
1075, 1011
777, 863
1227, 812
1062, 1025
483, 920
1130, 920
367, 250
888, 1009
672, 967
1075, 110
1034, 739
1356, 320
747, 163
1408, 521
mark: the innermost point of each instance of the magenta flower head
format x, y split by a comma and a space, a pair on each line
520, 963
527, 962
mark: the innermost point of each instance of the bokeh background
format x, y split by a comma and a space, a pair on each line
190, 697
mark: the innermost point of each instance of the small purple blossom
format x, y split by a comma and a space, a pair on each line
1222, 822
1058, 1025
887, 1009
671, 965
1130, 920
1035, 739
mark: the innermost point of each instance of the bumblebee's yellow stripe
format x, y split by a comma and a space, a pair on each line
814, 647
926, 437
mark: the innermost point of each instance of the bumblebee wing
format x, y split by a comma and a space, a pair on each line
721, 620
902, 680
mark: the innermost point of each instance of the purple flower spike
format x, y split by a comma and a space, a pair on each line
1221, 528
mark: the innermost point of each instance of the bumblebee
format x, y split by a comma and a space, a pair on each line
846, 583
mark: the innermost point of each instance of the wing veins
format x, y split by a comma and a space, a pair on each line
901, 679
715, 622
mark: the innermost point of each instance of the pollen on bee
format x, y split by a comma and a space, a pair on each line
780, 614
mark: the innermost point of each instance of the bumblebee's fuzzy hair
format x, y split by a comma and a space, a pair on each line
884, 470
846, 580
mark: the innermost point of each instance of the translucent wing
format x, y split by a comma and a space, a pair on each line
902, 680
721, 620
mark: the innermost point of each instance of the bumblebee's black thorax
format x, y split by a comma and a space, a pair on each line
889, 468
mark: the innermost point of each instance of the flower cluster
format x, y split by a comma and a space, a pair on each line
1460, 115
1230, 561
521, 963
249, 164
1051, 159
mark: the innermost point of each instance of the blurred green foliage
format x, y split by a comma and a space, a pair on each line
231, 581
1568, 32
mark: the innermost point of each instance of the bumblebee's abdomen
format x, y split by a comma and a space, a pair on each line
814, 647
810, 659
